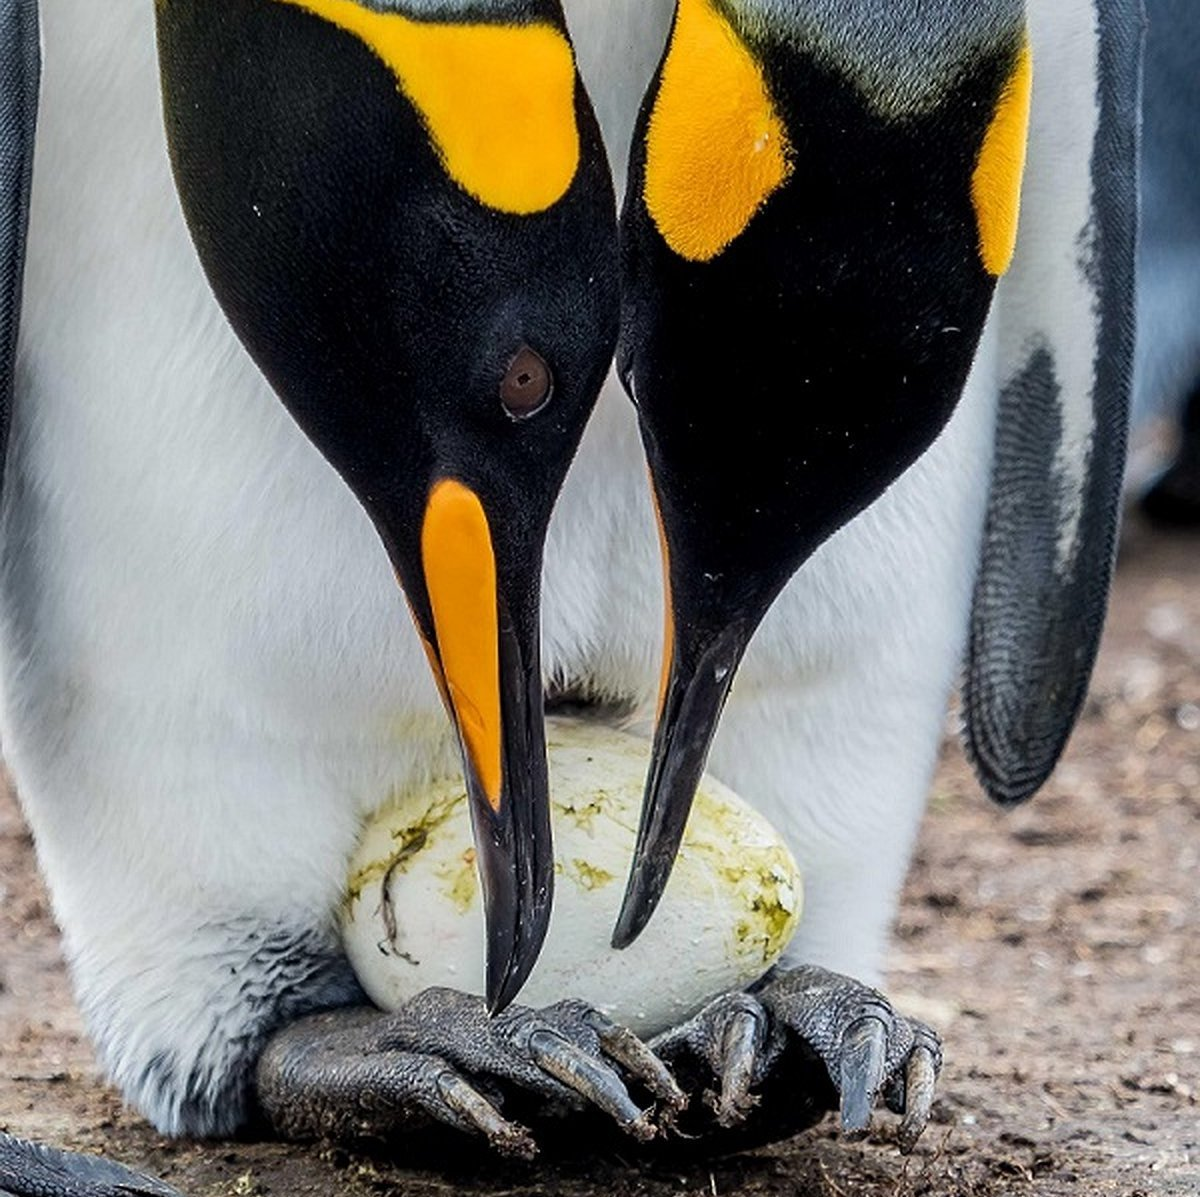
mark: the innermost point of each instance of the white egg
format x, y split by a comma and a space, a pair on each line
412, 915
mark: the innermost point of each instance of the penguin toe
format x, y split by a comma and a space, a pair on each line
30, 1170
912, 1091
804, 1041
870, 1051
338, 1076
350, 1074
728, 1035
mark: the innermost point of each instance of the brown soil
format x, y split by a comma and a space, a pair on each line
1056, 948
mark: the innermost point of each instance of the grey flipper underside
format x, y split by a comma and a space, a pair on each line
1065, 326
20, 63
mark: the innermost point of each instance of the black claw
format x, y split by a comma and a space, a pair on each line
920, 1083
864, 1060
472, 1111
740, 1048
590, 1078
623, 1047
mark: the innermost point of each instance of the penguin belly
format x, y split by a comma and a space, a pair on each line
210, 676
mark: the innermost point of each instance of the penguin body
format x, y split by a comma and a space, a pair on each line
209, 677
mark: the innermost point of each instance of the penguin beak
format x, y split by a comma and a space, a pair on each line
713, 606
698, 671
481, 635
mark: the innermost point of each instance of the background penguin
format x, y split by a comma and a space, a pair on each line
1168, 350
225, 680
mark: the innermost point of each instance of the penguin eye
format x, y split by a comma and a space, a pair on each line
527, 386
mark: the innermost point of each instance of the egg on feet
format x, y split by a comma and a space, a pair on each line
412, 916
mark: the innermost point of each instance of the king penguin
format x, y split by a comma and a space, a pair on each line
881, 426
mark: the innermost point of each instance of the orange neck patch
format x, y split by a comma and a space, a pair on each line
715, 148
460, 575
996, 183
498, 100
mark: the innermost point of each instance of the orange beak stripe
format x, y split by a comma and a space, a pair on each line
460, 575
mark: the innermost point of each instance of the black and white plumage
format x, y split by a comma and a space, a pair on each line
209, 675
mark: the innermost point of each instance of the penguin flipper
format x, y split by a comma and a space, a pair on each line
29, 1170
1064, 321
20, 69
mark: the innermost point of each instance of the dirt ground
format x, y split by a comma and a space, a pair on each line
1056, 949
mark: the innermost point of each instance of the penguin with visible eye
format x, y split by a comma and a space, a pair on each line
225, 681
406, 213
437, 313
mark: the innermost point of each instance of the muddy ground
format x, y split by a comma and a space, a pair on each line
1057, 948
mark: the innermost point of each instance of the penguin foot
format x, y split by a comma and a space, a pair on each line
359, 1073
29, 1170
809, 1040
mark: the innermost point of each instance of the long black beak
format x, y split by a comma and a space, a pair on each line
481, 632
513, 841
700, 672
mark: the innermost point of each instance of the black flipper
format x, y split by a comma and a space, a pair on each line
1065, 331
20, 68
29, 1170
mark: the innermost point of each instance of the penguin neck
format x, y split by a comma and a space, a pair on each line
901, 64
618, 45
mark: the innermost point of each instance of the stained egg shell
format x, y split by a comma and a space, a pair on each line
412, 915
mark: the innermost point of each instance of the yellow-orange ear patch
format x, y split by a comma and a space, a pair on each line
498, 100
996, 183
715, 147
460, 576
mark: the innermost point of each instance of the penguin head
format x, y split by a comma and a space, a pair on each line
821, 198
406, 213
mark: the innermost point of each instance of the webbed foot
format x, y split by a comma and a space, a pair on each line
811, 1040
29, 1170
349, 1074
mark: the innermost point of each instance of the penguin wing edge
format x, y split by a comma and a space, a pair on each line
1064, 319
20, 69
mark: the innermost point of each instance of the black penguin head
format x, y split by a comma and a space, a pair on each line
409, 220
821, 198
